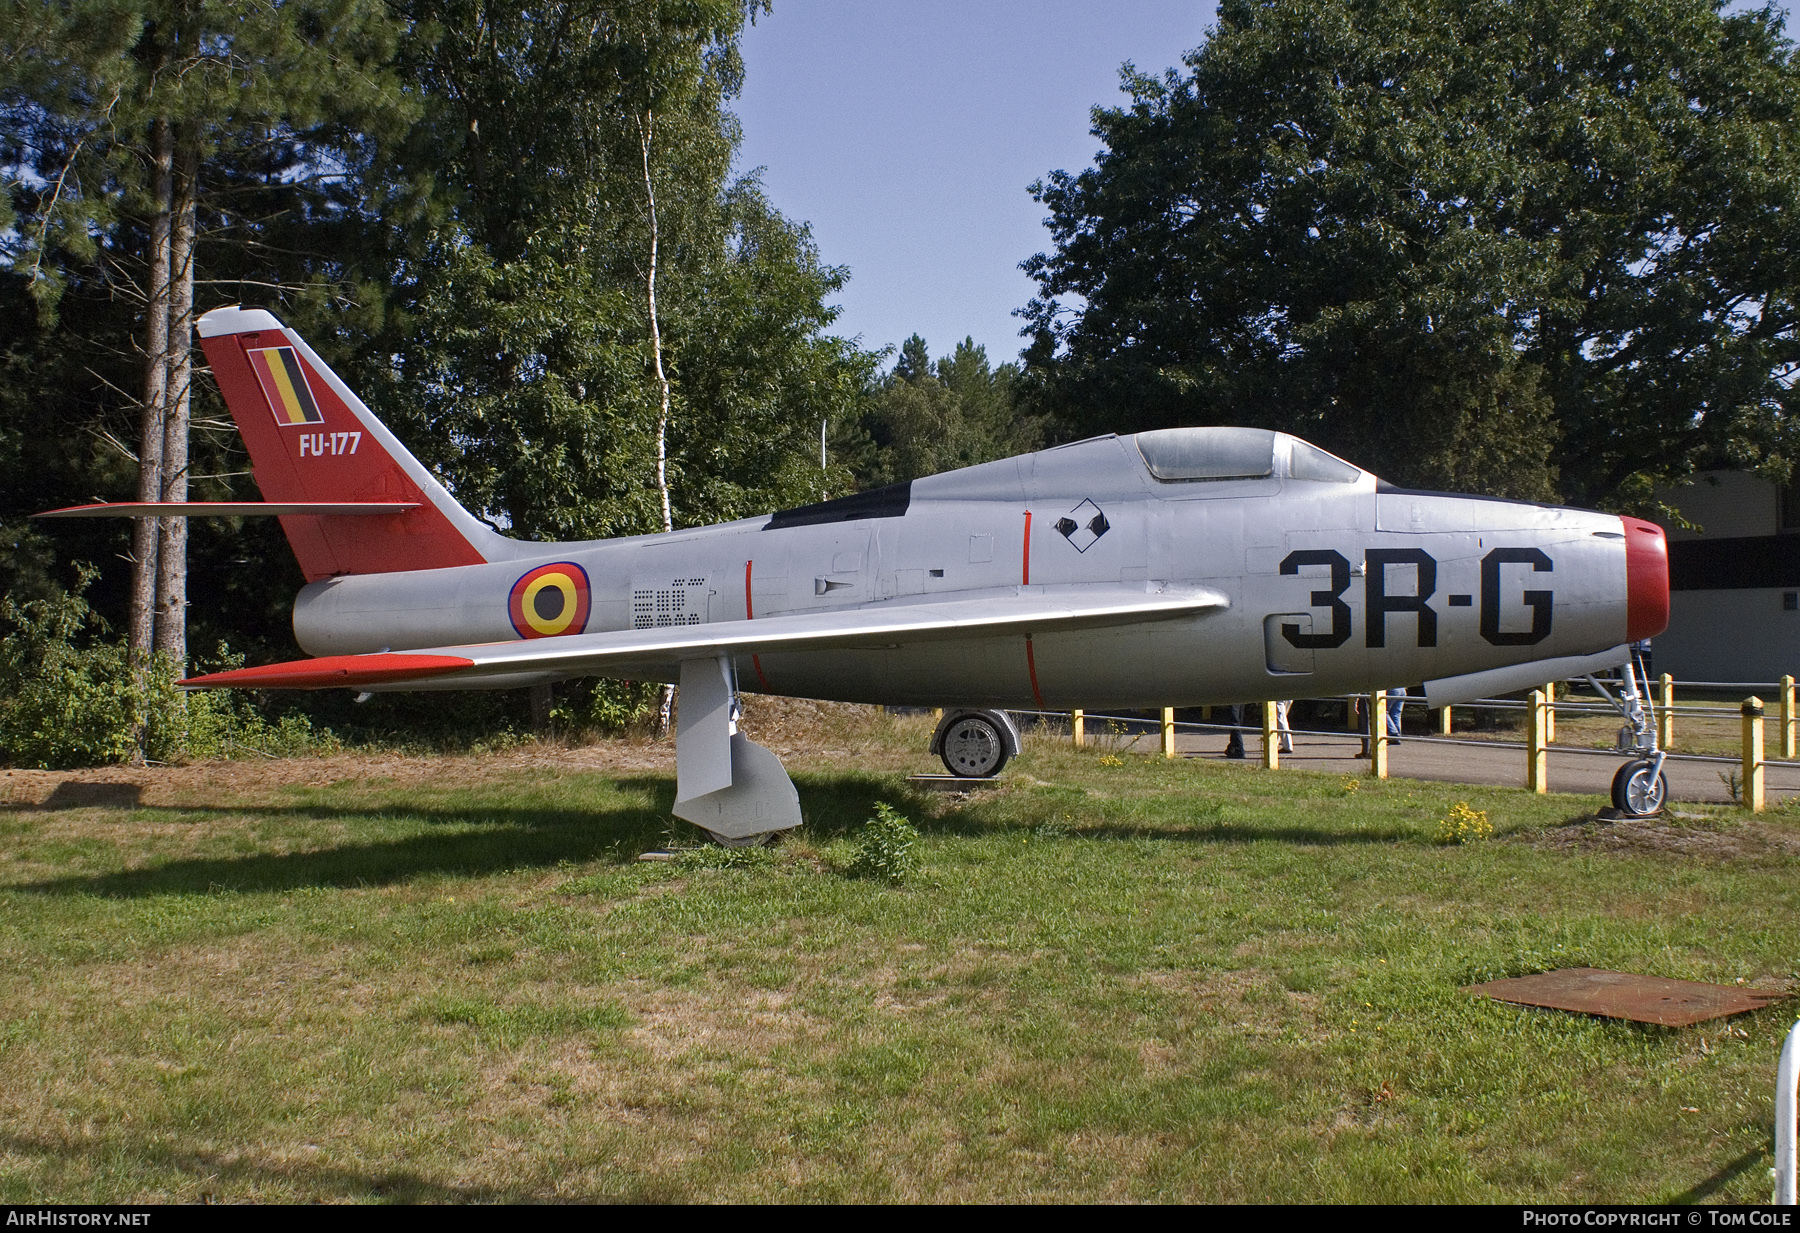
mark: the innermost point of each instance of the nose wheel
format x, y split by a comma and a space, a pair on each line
1639, 788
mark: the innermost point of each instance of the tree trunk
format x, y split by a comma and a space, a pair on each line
145, 534
656, 356
171, 552
543, 701
645, 129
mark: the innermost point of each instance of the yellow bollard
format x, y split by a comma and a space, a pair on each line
1787, 717
1443, 721
1378, 741
937, 712
1537, 755
1271, 741
1168, 732
1665, 716
1751, 793
1550, 713
1078, 725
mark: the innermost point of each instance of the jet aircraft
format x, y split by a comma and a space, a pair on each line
1183, 566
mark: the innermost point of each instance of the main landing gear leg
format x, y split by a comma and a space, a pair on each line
1639, 789
725, 783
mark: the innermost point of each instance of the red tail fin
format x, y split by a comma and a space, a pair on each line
311, 439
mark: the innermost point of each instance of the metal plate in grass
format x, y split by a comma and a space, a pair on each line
1626, 995
952, 783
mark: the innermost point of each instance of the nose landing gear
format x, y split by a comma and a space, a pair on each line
1639, 789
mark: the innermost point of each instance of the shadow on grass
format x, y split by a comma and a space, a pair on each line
1236, 833
81, 794
502, 838
1724, 1177
316, 1182
840, 804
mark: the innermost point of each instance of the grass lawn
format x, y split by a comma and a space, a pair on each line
417, 979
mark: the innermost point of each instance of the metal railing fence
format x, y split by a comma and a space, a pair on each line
1542, 710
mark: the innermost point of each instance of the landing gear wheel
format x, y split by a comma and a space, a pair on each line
973, 748
1635, 794
742, 841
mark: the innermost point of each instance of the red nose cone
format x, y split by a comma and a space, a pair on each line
1646, 580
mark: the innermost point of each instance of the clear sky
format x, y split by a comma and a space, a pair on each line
907, 134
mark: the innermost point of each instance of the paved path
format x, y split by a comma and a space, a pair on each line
1480, 762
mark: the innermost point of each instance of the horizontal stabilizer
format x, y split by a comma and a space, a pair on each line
628, 653
1454, 689
225, 509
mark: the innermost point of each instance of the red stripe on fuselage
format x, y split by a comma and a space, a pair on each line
1025, 580
750, 615
1031, 667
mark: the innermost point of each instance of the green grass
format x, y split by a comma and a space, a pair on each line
1159, 980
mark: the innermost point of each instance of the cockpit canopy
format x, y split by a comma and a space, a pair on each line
1175, 454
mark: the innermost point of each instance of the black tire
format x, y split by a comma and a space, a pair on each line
973, 748
1634, 795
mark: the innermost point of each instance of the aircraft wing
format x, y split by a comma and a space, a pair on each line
1029, 611
225, 509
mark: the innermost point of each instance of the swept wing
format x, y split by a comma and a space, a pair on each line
1029, 610
226, 509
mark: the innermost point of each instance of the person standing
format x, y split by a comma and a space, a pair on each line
1234, 744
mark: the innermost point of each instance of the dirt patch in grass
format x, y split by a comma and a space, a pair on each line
1711, 838
690, 1025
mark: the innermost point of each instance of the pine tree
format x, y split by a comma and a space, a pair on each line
130, 104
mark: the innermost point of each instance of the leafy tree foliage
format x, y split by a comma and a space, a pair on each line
452, 207
1527, 247
520, 354
927, 417
452, 201
269, 110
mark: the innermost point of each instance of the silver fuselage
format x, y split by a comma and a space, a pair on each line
1333, 586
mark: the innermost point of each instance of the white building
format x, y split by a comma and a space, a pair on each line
1734, 603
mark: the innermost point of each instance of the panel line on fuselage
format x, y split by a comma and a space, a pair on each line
750, 615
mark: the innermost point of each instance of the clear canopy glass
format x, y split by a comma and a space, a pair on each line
1309, 462
1208, 453
1221, 453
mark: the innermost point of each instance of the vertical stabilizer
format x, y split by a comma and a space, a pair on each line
311, 439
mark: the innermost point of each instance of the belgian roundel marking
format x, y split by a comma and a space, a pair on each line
550, 600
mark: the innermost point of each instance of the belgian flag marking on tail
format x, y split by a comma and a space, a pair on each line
550, 600
284, 384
